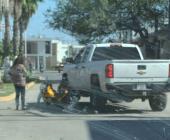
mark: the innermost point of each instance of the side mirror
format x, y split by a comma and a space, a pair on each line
69, 60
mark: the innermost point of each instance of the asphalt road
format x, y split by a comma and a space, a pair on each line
125, 121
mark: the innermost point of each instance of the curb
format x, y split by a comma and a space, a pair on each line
12, 96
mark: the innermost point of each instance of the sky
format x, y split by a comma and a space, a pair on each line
38, 27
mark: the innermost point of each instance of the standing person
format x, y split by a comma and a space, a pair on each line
30, 68
41, 67
18, 76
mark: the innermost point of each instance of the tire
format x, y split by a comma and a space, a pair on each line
96, 101
64, 86
158, 102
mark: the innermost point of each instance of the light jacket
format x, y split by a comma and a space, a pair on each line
18, 75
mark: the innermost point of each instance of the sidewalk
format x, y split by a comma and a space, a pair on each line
12, 96
52, 76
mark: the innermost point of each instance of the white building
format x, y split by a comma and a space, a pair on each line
44, 52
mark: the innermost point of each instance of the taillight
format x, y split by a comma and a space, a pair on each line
109, 71
169, 71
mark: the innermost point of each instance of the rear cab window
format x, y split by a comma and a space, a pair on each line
115, 53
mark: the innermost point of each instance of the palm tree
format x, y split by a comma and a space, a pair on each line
28, 9
5, 11
2, 6
16, 14
6, 42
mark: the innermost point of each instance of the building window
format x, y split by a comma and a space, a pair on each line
47, 47
31, 47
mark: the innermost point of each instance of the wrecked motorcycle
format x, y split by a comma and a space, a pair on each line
50, 95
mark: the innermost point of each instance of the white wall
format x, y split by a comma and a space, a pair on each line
41, 48
61, 49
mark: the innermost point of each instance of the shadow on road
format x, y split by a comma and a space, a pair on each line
108, 109
52, 109
83, 108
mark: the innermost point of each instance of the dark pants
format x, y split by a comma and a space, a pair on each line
20, 90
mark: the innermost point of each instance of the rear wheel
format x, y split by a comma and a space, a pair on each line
96, 100
158, 102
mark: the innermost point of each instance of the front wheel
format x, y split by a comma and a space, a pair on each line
96, 100
158, 102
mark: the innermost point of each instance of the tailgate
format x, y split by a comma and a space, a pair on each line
141, 69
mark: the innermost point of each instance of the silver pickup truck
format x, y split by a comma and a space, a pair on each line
118, 72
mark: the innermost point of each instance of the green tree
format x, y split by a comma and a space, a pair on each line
28, 9
6, 42
93, 20
22, 11
139, 15
16, 14
87, 20
5, 12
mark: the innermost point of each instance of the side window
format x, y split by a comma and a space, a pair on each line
79, 56
86, 54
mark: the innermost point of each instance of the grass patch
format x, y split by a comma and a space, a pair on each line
6, 89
